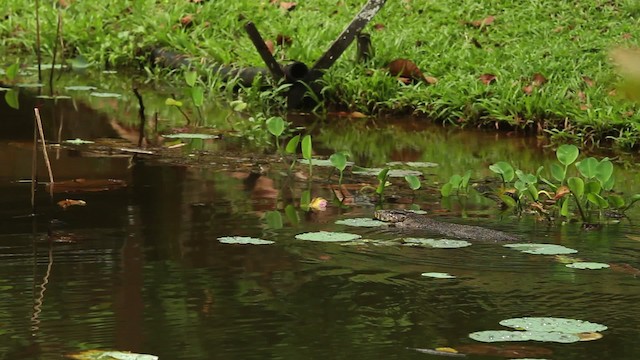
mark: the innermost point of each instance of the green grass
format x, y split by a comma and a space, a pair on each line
563, 40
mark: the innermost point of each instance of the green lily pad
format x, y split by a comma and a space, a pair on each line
327, 236
244, 240
45, 67
415, 164
34, 85
361, 222
542, 249
321, 162
190, 136
438, 275
109, 72
506, 335
437, 243
78, 141
551, 324
80, 88
587, 265
105, 95
391, 173
54, 97
110, 355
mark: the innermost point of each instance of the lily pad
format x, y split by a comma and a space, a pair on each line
416, 164
190, 136
105, 95
542, 249
361, 222
243, 240
327, 236
54, 97
551, 324
437, 243
80, 88
110, 355
78, 141
321, 162
391, 173
34, 85
438, 275
506, 335
587, 265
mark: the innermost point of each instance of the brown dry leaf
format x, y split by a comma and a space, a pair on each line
589, 336
484, 22
357, 115
406, 70
528, 89
378, 26
585, 107
538, 79
487, 78
430, 80
343, 195
627, 36
87, 185
69, 202
561, 192
589, 81
288, 6
582, 96
283, 40
64, 3
558, 29
613, 93
187, 20
270, 46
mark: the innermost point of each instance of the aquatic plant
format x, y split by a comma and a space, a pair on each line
339, 161
276, 126
458, 184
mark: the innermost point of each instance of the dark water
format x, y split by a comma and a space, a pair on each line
140, 268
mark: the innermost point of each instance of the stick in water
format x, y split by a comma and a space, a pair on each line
44, 151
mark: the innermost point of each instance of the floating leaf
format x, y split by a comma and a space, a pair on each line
105, 95
109, 355
440, 243
587, 265
438, 275
542, 249
34, 85
243, 240
190, 136
505, 335
80, 88
78, 141
548, 324
391, 173
327, 236
361, 222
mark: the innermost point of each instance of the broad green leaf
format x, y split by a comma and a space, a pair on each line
506, 335
576, 185
557, 172
567, 154
414, 182
564, 209
382, 181
292, 214
633, 199
504, 169
592, 187
273, 219
173, 102
533, 192
382, 175
520, 186
12, 71
446, 190
587, 167
455, 181
238, 105
275, 125
597, 200
306, 147
11, 97
305, 200
507, 200
338, 160
190, 77
609, 184
197, 95
80, 88
616, 201
604, 170
464, 183
292, 145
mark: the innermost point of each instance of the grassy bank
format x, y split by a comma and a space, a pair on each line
549, 58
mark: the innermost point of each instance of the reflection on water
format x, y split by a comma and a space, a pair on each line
140, 268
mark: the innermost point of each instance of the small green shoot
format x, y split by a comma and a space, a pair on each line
307, 152
276, 125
